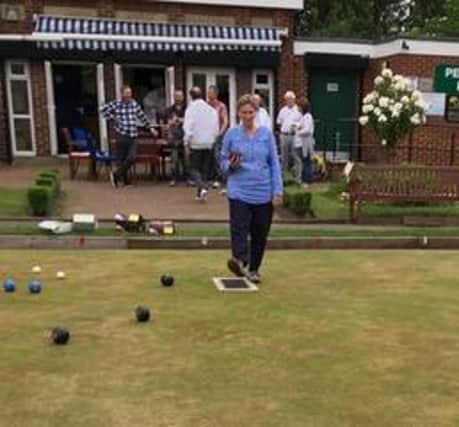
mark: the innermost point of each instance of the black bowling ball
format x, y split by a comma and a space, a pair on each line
142, 313
60, 336
167, 280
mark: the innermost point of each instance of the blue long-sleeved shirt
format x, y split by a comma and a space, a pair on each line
258, 179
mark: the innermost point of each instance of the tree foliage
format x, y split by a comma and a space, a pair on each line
377, 19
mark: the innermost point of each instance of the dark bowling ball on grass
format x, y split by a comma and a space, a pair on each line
60, 336
35, 287
9, 285
142, 313
167, 280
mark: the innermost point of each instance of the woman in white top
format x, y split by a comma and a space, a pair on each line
303, 146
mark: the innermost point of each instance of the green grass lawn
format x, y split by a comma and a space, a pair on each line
332, 339
13, 202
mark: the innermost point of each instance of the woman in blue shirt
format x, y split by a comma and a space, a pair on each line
250, 160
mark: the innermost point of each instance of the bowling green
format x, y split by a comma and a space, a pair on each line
333, 338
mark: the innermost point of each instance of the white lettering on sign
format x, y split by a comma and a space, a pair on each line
332, 87
452, 72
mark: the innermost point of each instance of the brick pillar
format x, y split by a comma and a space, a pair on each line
180, 75
285, 70
40, 101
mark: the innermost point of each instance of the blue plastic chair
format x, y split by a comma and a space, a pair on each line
101, 159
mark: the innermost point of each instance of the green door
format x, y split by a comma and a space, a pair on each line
334, 100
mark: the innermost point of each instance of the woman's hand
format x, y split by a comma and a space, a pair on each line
278, 200
234, 161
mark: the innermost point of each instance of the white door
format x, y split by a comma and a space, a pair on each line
20, 108
101, 101
118, 80
223, 78
170, 85
51, 108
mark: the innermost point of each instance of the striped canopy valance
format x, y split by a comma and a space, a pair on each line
115, 35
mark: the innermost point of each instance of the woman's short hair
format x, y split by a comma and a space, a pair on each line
246, 100
304, 106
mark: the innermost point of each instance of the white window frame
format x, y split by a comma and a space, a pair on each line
9, 76
169, 79
269, 86
211, 73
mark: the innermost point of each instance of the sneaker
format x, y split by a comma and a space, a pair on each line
253, 277
223, 191
113, 180
216, 185
190, 183
172, 183
236, 266
305, 185
204, 194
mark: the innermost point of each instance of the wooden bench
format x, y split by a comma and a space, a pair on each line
401, 183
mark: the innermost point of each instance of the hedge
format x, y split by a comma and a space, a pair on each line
298, 201
47, 182
52, 174
40, 199
42, 195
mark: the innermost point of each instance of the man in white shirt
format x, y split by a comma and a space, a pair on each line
201, 128
262, 117
288, 118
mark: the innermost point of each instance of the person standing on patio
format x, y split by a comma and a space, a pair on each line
303, 147
223, 122
125, 112
201, 130
261, 117
288, 118
175, 115
249, 158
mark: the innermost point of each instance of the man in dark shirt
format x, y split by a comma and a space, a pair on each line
174, 117
125, 113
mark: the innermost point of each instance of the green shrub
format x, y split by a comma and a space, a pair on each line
49, 183
298, 201
40, 199
52, 174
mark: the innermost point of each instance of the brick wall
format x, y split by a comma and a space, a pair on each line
40, 111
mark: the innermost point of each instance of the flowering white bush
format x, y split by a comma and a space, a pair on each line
392, 110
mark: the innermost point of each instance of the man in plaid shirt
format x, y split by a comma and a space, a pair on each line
125, 113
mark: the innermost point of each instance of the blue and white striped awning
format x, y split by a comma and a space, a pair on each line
98, 34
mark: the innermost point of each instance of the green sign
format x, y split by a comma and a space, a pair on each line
447, 78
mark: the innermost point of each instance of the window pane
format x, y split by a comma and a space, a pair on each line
19, 97
200, 80
262, 79
23, 136
18, 69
